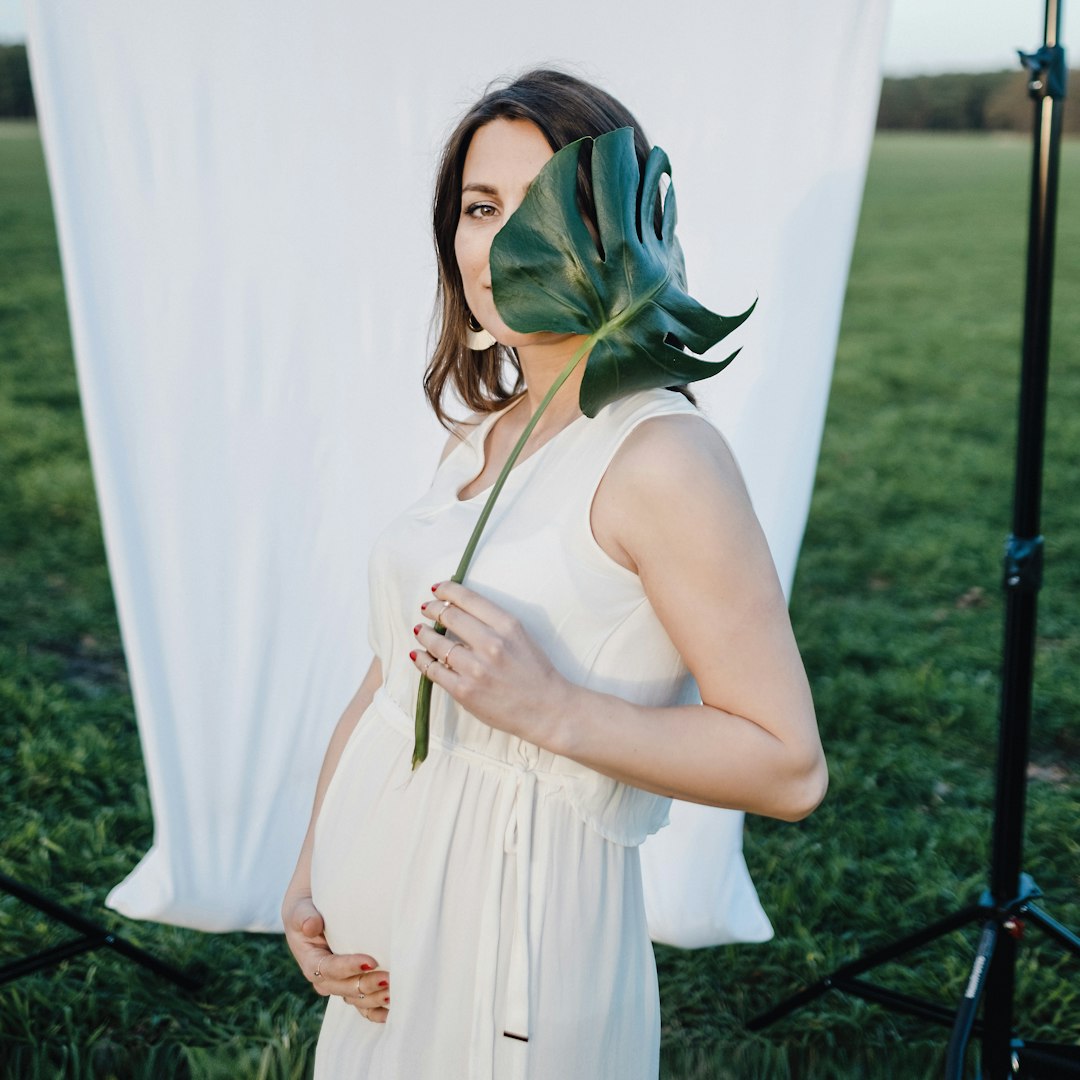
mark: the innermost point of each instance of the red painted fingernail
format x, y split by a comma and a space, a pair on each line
412, 655
423, 607
435, 586
416, 629
387, 1000
366, 967
384, 983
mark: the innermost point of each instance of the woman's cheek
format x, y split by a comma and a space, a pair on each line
472, 257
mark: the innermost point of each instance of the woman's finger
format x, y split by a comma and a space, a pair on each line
467, 627
374, 985
472, 603
334, 973
304, 918
369, 992
456, 655
376, 1016
438, 673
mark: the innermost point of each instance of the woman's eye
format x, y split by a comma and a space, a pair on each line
480, 210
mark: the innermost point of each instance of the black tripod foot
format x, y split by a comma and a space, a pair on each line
1002, 925
1052, 927
845, 978
92, 936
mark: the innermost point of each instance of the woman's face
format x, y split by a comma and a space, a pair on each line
503, 158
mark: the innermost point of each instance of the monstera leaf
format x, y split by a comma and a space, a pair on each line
628, 294
625, 290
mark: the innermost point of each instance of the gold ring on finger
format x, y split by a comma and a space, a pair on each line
446, 658
427, 666
438, 618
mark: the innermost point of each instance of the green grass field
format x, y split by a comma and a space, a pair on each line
897, 607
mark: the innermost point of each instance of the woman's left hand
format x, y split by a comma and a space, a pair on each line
488, 663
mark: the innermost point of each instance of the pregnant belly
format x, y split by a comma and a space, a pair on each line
360, 840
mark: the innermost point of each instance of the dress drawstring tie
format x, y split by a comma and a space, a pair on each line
510, 1018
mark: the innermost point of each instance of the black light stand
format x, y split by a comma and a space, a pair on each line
1006, 905
91, 936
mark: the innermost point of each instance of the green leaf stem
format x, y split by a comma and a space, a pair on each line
423, 698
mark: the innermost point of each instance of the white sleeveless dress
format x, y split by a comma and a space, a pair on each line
499, 884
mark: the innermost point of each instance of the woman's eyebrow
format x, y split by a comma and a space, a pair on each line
487, 189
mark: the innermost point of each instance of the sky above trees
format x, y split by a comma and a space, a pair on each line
924, 36
931, 36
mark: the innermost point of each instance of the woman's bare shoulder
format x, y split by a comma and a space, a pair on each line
459, 432
672, 476
675, 455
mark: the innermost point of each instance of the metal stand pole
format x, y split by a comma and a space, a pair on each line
1024, 549
1005, 907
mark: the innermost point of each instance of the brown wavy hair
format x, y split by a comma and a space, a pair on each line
564, 108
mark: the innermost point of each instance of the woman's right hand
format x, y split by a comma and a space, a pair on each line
356, 977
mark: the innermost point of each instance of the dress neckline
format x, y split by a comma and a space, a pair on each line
478, 441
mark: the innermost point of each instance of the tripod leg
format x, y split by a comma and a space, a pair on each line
870, 960
1053, 928
94, 936
969, 1006
49, 957
998, 1022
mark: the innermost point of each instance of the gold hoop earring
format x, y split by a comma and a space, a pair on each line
476, 337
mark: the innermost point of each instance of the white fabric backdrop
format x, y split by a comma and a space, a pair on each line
242, 196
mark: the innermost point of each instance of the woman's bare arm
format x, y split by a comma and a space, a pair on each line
673, 508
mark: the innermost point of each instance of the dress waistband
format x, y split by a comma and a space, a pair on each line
528, 756
622, 814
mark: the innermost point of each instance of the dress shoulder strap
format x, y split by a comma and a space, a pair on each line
617, 420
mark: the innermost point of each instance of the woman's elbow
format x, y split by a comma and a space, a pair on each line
805, 791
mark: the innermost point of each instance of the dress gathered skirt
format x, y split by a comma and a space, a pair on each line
499, 883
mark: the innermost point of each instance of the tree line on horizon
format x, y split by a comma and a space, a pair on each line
16, 93
978, 101
981, 101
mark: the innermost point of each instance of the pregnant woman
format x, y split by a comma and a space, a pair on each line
620, 639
